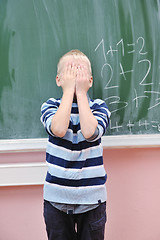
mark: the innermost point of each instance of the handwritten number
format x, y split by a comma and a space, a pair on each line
122, 43
117, 101
103, 49
143, 43
148, 70
111, 75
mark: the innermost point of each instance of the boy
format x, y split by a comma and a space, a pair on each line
74, 190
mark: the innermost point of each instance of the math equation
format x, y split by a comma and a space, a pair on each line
129, 69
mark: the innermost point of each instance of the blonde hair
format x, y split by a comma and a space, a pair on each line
75, 54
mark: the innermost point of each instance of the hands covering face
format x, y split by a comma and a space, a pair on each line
76, 77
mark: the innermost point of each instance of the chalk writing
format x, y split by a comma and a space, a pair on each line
142, 125
148, 70
106, 65
122, 45
157, 99
143, 43
103, 49
140, 92
145, 124
111, 51
156, 124
136, 99
130, 125
117, 101
124, 73
116, 127
131, 45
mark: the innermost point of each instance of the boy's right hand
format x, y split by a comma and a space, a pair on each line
68, 78
61, 118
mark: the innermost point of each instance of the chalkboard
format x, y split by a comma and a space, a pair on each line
122, 40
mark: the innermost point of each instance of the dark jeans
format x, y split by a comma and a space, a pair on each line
85, 226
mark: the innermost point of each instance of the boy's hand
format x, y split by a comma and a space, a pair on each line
88, 122
68, 78
83, 80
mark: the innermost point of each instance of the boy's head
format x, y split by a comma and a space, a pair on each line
75, 56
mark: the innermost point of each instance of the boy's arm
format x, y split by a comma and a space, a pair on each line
60, 120
88, 121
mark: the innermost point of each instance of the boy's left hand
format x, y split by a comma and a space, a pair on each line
83, 80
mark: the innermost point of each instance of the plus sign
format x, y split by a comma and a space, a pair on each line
130, 125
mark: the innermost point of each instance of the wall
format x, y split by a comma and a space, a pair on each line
21, 213
133, 193
133, 197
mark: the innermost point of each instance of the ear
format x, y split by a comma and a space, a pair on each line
91, 81
58, 81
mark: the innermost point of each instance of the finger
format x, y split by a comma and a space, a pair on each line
85, 68
69, 68
74, 68
85, 72
65, 68
78, 68
78, 72
82, 70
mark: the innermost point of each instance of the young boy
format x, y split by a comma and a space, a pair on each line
74, 190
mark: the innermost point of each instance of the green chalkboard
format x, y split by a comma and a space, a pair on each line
122, 40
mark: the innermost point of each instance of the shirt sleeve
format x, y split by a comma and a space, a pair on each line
102, 114
48, 110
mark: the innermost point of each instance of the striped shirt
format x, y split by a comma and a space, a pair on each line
76, 174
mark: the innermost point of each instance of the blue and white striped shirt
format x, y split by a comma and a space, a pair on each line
76, 174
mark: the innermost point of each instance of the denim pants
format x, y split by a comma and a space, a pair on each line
85, 226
